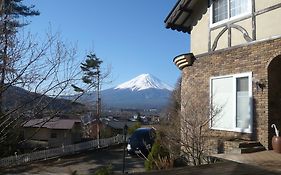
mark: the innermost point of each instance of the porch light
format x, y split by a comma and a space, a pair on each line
184, 60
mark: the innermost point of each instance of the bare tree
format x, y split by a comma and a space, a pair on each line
169, 129
189, 128
46, 69
166, 148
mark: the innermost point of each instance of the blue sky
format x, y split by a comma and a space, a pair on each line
129, 35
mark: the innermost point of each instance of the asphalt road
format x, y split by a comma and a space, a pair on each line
84, 163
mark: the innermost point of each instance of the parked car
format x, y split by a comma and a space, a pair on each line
141, 141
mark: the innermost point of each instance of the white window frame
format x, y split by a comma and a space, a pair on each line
234, 78
228, 14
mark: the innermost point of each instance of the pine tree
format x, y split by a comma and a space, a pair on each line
92, 77
91, 70
91, 73
12, 13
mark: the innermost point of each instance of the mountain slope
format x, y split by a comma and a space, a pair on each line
15, 97
126, 98
144, 91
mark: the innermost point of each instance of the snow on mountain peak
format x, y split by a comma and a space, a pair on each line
144, 81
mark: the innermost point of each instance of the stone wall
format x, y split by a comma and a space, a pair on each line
255, 58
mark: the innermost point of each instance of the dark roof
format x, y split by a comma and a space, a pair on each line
181, 17
54, 123
174, 8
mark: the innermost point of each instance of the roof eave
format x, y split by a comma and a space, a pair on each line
178, 28
178, 10
172, 11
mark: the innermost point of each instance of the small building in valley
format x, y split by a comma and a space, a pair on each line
113, 128
52, 132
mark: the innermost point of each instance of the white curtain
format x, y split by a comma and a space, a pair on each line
222, 98
238, 7
242, 103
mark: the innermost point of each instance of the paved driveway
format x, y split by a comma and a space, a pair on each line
222, 168
84, 163
266, 159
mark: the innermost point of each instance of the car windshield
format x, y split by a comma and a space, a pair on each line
143, 134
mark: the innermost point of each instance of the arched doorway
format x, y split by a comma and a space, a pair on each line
274, 96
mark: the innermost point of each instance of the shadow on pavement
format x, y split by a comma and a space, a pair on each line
85, 162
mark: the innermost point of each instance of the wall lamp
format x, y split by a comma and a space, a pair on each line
184, 60
260, 84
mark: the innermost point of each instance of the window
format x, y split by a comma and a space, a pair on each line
220, 11
232, 95
228, 9
242, 102
53, 135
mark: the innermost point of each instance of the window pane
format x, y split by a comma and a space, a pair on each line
242, 84
219, 10
238, 7
242, 103
222, 98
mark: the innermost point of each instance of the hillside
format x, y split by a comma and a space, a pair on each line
142, 92
15, 97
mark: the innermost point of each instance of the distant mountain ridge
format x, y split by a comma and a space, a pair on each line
15, 97
142, 92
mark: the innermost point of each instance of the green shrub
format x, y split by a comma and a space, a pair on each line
107, 170
158, 158
132, 129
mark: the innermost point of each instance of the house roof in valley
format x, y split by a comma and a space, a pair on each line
184, 15
54, 123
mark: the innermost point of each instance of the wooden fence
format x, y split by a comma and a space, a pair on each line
60, 151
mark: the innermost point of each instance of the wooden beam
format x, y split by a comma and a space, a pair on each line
268, 9
215, 43
229, 36
231, 22
254, 27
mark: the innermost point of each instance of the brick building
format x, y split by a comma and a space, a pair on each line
236, 58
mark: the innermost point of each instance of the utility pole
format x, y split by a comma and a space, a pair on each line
98, 105
125, 130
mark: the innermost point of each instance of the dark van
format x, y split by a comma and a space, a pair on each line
141, 141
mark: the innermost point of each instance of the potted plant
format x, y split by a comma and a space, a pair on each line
276, 140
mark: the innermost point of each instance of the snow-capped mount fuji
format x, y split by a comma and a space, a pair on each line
142, 82
142, 92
